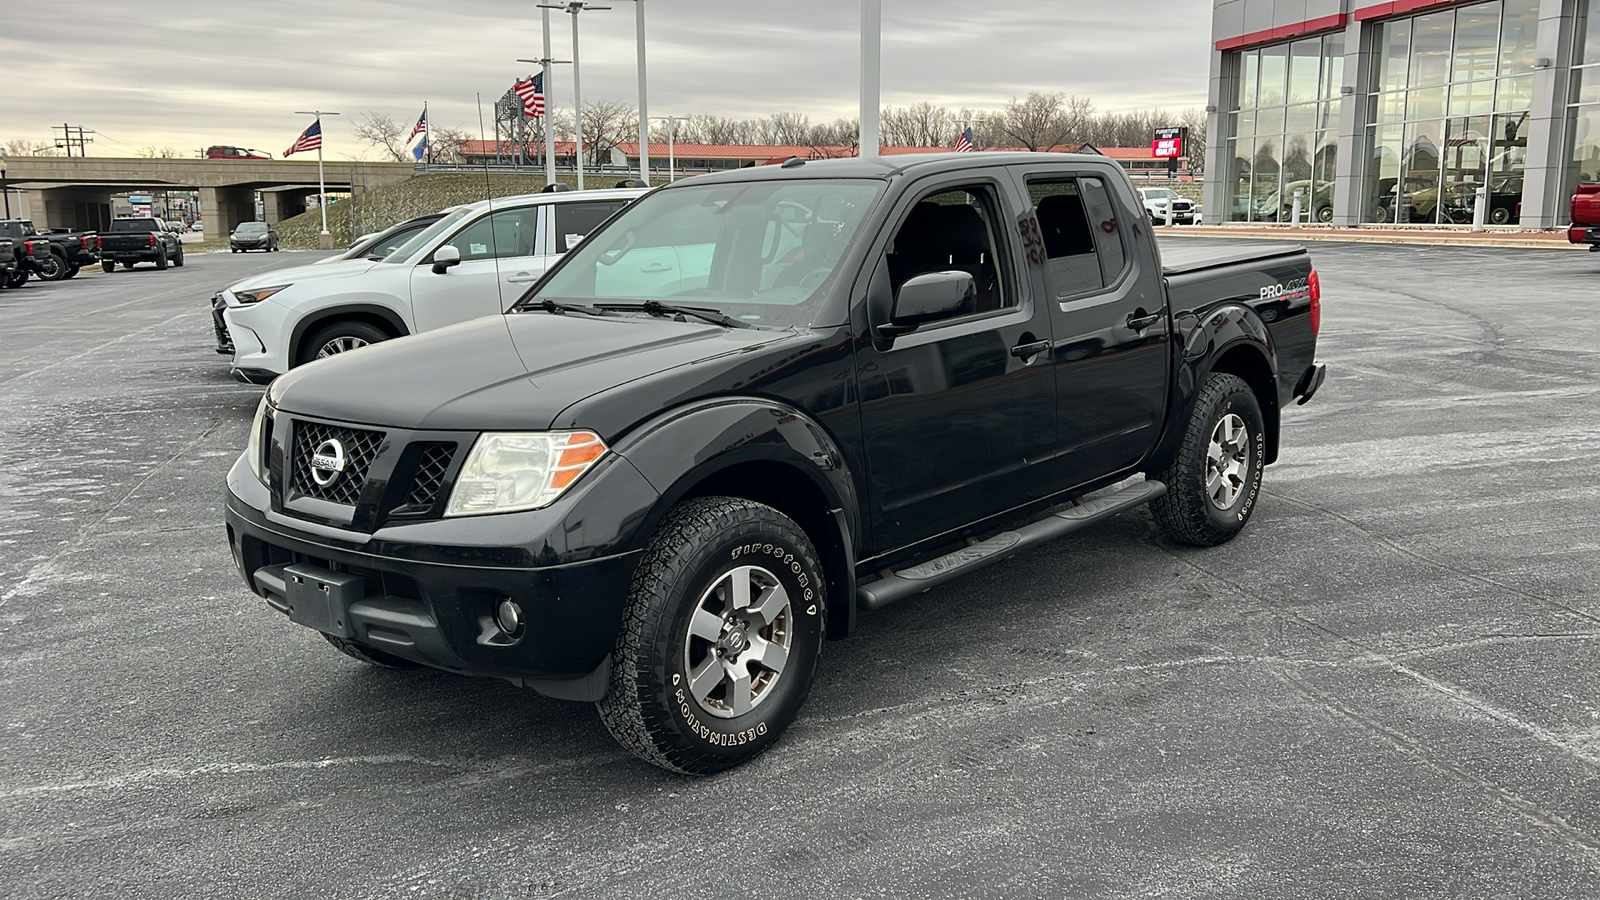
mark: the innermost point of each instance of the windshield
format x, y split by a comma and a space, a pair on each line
756, 251
1159, 193
424, 237
251, 228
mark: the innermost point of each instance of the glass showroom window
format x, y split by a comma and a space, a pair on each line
1583, 116
1283, 129
1450, 113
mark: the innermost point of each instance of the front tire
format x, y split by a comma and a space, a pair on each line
1213, 484
723, 631
178, 260
161, 259
72, 271
340, 337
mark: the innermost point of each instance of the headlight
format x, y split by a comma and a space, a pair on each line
254, 449
256, 295
509, 471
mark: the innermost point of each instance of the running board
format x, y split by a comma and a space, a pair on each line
1004, 545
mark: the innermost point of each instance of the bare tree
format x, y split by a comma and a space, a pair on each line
844, 133
919, 125
25, 147
445, 143
1036, 123
784, 128
1195, 120
607, 124
384, 133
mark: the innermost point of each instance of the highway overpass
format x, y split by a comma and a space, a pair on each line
75, 192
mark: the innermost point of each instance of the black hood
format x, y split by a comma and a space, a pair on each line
500, 373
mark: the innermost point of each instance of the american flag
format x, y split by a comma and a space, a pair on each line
532, 94
310, 139
964, 142
422, 124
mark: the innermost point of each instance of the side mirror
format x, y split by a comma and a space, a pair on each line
444, 258
929, 297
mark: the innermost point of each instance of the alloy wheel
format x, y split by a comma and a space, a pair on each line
738, 642
1227, 461
340, 345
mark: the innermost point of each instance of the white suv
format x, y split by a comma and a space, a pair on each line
476, 261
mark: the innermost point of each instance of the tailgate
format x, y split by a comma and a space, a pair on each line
1586, 205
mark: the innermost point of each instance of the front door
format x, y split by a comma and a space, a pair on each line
958, 416
500, 257
1109, 318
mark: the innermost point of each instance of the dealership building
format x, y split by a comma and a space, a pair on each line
1399, 112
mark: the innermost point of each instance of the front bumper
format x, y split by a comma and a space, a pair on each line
435, 604
252, 245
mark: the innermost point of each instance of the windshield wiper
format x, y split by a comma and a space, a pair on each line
657, 308
553, 306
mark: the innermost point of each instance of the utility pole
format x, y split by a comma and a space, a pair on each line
322, 186
73, 134
573, 7
871, 73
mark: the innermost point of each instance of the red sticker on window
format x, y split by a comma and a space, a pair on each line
1032, 238
1108, 226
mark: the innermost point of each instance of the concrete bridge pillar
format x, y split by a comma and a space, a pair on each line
224, 207
80, 209
284, 204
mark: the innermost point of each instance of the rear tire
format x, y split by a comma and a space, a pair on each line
721, 639
52, 267
72, 271
369, 655
17, 279
1213, 484
161, 259
108, 265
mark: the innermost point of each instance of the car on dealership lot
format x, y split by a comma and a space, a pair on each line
253, 236
379, 244
49, 255
1159, 201
139, 239
750, 404
1585, 216
472, 262
1278, 206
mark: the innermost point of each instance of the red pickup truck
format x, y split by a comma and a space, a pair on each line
1585, 227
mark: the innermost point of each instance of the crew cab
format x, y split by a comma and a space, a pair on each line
136, 240
473, 261
1162, 203
1585, 208
49, 255
754, 403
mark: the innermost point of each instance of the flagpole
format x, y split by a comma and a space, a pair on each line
322, 185
549, 106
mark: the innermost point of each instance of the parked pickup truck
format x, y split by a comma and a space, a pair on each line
9, 267
1585, 227
130, 241
48, 255
755, 402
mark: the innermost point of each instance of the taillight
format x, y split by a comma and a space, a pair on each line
1316, 303
28, 246
152, 238
100, 243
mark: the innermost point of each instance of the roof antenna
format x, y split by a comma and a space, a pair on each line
488, 194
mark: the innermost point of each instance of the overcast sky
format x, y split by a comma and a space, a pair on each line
189, 73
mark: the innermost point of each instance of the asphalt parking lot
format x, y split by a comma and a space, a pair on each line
1386, 687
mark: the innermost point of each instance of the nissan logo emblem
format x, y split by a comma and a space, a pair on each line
327, 463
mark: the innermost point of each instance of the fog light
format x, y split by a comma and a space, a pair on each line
508, 616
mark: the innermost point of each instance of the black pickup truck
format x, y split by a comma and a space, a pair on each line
9, 267
130, 241
49, 255
754, 403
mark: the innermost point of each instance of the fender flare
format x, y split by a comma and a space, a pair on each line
344, 310
681, 450
1202, 340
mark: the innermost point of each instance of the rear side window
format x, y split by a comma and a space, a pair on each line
1082, 235
574, 221
506, 233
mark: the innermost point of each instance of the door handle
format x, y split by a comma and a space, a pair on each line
653, 268
1023, 351
1138, 321
521, 278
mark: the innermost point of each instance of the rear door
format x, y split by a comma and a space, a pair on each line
958, 417
500, 256
1108, 313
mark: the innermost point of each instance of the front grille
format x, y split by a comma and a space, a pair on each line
360, 448
220, 325
433, 464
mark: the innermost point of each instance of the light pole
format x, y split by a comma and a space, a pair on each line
672, 158
549, 105
573, 7
322, 186
644, 109
5, 188
871, 73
